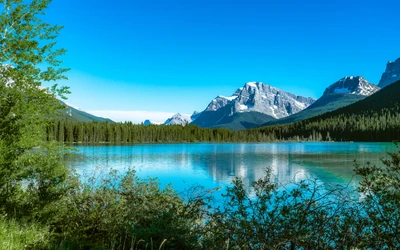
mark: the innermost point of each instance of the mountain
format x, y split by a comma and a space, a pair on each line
386, 99
391, 74
354, 85
250, 106
148, 122
195, 115
375, 118
344, 92
178, 119
75, 114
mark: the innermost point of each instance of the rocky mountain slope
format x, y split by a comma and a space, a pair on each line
178, 119
391, 74
354, 85
346, 91
375, 118
252, 105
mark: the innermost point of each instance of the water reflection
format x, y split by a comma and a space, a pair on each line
214, 165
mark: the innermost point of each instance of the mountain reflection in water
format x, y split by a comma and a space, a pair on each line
212, 165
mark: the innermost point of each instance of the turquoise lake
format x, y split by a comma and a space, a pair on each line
215, 165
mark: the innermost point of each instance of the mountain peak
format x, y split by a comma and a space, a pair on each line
354, 85
262, 98
391, 74
252, 84
178, 119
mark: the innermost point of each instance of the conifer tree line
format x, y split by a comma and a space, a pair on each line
383, 125
375, 118
125, 133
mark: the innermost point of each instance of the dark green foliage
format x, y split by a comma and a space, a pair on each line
111, 213
381, 186
308, 215
122, 133
31, 173
302, 215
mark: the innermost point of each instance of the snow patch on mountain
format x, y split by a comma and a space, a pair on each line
230, 98
178, 119
221, 101
355, 85
69, 106
72, 106
263, 98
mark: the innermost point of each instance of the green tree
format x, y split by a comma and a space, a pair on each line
31, 172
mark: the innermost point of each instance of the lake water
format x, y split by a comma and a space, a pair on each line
215, 165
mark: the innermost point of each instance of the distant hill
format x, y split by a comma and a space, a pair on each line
344, 92
76, 115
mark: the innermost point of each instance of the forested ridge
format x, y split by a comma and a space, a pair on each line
376, 118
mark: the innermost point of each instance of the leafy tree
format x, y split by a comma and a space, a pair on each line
31, 173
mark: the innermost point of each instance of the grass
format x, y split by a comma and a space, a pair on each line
13, 235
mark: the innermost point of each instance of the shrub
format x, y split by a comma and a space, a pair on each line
109, 212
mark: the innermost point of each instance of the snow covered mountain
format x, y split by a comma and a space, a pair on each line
355, 85
344, 92
250, 106
391, 74
178, 119
262, 98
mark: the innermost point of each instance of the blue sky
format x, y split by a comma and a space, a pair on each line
166, 56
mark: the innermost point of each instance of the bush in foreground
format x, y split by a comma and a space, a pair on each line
110, 213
